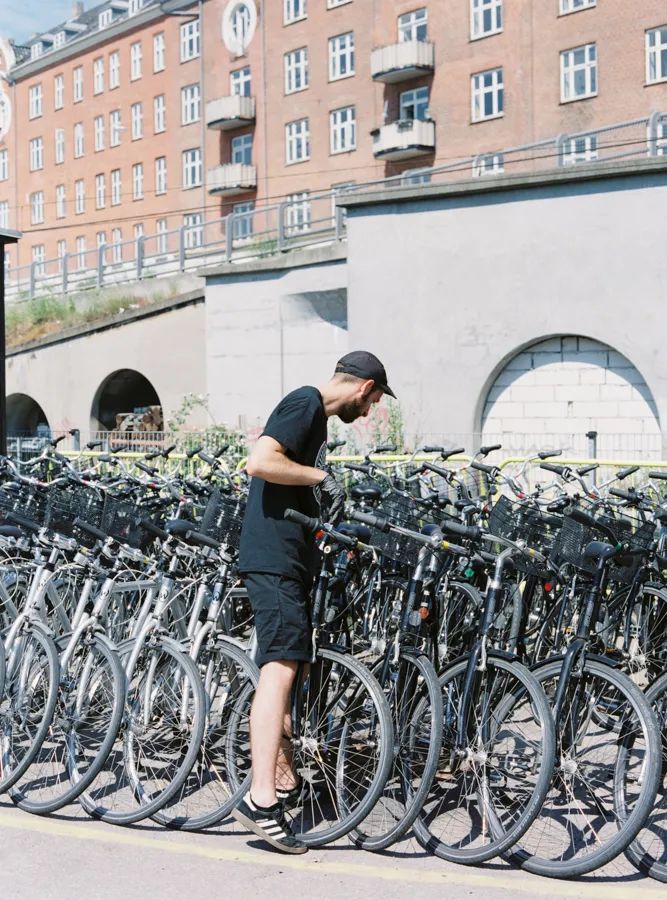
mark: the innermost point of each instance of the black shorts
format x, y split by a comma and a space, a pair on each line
281, 606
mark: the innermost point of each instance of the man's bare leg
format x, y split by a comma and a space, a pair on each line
267, 722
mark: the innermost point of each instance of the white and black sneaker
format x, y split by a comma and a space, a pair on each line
290, 797
269, 823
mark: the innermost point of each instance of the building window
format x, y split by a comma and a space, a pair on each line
79, 197
77, 82
115, 187
60, 201
486, 17
36, 154
487, 95
114, 69
59, 92
101, 243
656, 55
190, 40
158, 52
99, 133
59, 40
4, 214
38, 258
416, 176
137, 121
339, 190
241, 24
4, 165
161, 175
341, 56
296, 70
488, 164
578, 70
331, 4
159, 114
414, 104
413, 26
98, 75
239, 82
580, 149
194, 233
343, 129
297, 212
105, 18
138, 181
80, 245
161, 236
78, 140
116, 245
61, 252
35, 101
135, 61
134, 7
37, 208
297, 141
192, 172
60, 145
241, 148
294, 10
114, 128
190, 104
568, 6
36, 50
100, 192
242, 227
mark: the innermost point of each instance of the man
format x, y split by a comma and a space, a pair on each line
279, 559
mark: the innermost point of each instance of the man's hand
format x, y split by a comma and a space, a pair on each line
333, 498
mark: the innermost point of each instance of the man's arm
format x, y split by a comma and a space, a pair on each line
269, 461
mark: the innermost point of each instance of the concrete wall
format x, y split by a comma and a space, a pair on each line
461, 280
271, 327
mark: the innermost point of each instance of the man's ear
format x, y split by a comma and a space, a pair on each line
367, 388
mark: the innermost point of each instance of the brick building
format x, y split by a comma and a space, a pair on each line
134, 118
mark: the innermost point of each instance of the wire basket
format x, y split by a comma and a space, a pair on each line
121, 520
223, 518
64, 507
518, 522
28, 501
407, 513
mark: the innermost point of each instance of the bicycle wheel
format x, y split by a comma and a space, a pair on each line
415, 701
159, 738
648, 852
486, 793
606, 774
28, 701
91, 692
207, 795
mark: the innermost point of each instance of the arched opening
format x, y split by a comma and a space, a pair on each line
25, 417
558, 391
126, 401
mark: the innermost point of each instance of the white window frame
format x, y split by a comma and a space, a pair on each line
36, 154
60, 201
298, 213
79, 197
190, 40
59, 39
105, 18
35, 105
115, 128
582, 148
573, 6
240, 149
116, 187
79, 141
656, 54
161, 175
159, 114
100, 191
138, 181
341, 56
294, 11
343, 129
191, 168
412, 103
332, 4
99, 124
98, 75
37, 208
116, 245
77, 84
61, 253
159, 52
295, 65
479, 90
38, 256
240, 84
136, 55
59, 154
4, 164
297, 141
161, 229
36, 50
482, 11
190, 104
243, 222
137, 120
134, 7
114, 70
569, 69
4, 213
80, 252
59, 91
194, 234
413, 25
101, 244
488, 164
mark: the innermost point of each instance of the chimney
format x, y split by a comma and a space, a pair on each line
77, 9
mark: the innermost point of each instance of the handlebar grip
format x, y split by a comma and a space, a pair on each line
203, 540
334, 445
591, 467
583, 518
194, 451
150, 470
455, 452
489, 448
367, 519
358, 467
624, 495
630, 470
219, 452
552, 467
293, 515
168, 450
207, 458
91, 529
55, 441
467, 531
432, 448
482, 467
23, 521
384, 448
545, 454
439, 470
154, 529
153, 454
661, 476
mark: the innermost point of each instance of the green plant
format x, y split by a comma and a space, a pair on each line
214, 436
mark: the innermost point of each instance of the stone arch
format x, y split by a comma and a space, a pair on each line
559, 389
25, 417
123, 391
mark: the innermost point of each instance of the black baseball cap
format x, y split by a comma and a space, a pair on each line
365, 365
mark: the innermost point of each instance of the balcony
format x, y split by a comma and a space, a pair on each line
400, 62
231, 178
404, 139
230, 112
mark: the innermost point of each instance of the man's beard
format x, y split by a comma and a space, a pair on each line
351, 411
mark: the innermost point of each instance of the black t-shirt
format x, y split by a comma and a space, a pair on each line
269, 543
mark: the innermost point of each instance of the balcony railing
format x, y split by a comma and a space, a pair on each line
399, 62
404, 139
230, 112
231, 178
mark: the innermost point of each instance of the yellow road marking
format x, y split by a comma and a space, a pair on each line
88, 831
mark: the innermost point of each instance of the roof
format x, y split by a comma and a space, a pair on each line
7, 236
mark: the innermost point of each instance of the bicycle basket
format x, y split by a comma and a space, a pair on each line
222, 519
518, 522
122, 521
64, 507
407, 513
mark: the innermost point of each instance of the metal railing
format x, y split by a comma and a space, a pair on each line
309, 219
